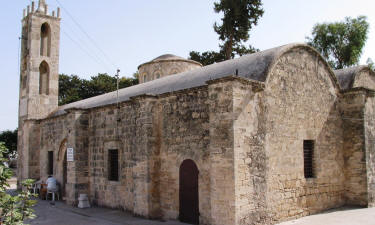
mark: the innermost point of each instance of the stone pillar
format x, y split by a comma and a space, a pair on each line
221, 152
146, 158
78, 170
352, 106
237, 155
370, 147
249, 153
28, 150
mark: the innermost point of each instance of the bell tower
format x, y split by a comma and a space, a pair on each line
39, 67
39, 62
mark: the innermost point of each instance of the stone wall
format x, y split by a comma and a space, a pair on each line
300, 104
154, 136
370, 147
28, 150
365, 79
57, 134
184, 134
108, 128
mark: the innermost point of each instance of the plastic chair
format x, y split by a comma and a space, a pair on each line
36, 187
53, 192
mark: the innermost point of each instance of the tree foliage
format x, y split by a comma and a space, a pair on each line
72, 88
207, 58
341, 43
239, 17
14, 209
9, 138
371, 64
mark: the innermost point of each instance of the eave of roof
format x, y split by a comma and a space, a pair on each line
253, 67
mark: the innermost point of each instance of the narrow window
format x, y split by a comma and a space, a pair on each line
45, 40
308, 155
44, 78
157, 75
113, 165
50, 163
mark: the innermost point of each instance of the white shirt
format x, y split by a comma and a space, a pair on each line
51, 183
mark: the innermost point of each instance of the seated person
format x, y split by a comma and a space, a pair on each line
51, 183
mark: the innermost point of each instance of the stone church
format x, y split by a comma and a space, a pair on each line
260, 139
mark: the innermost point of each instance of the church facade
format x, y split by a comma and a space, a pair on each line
260, 139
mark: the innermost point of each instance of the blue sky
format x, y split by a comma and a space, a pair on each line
132, 32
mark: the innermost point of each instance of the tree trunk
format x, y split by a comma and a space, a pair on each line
228, 49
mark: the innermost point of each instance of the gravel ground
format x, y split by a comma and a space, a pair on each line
341, 216
61, 214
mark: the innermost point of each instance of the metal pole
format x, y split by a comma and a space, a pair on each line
118, 81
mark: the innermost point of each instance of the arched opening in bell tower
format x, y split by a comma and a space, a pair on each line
45, 40
44, 78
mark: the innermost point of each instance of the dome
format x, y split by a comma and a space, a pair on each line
167, 57
165, 65
170, 58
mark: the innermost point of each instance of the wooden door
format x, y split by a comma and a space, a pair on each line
189, 196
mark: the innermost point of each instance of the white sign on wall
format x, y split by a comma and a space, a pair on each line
70, 154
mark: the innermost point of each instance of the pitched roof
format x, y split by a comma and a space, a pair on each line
346, 77
254, 67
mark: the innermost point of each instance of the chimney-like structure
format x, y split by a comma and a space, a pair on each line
42, 6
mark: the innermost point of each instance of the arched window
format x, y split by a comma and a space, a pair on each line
175, 71
44, 78
45, 40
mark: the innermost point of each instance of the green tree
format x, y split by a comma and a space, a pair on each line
341, 43
371, 64
14, 209
207, 58
240, 16
9, 138
127, 82
72, 88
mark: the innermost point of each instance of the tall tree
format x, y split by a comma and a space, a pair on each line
207, 58
341, 43
240, 16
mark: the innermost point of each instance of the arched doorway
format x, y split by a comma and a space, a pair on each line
62, 170
189, 197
